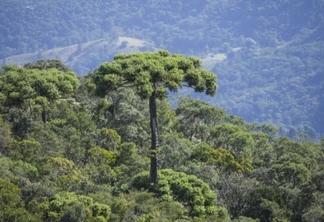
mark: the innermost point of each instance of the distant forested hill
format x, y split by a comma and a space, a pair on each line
268, 55
184, 26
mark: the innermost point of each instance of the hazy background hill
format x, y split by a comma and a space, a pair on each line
268, 55
85, 57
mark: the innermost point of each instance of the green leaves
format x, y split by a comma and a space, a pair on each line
196, 118
48, 64
100, 156
11, 204
5, 134
26, 150
27, 93
22, 84
187, 189
148, 72
233, 138
108, 139
69, 206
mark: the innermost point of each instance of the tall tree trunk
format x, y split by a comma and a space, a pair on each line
44, 116
154, 138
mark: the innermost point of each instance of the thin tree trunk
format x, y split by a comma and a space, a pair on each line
44, 116
154, 138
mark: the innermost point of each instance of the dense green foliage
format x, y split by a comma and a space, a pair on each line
90, 159
189, 190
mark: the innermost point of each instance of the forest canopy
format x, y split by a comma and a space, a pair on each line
90, 159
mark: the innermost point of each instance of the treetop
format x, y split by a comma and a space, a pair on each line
154, 71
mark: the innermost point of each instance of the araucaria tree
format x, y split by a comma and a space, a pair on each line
152, 74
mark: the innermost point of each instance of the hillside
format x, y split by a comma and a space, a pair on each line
85, 57
267, 55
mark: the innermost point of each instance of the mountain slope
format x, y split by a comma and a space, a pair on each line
85, 57
267, 55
